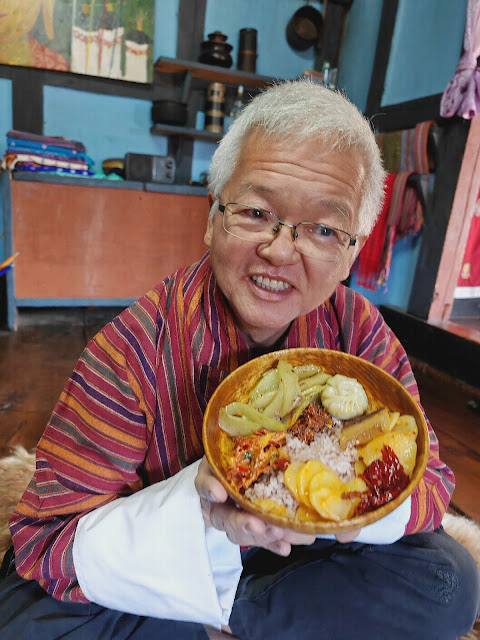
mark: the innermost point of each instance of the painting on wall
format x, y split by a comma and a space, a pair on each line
108, 38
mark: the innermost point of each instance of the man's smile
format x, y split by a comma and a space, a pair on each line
270, 284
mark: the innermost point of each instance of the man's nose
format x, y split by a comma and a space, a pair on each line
281, 248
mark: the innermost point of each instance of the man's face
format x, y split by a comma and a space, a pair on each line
270, 284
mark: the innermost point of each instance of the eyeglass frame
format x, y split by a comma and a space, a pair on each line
222, 207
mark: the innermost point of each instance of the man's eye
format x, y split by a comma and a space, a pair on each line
254, 214
324, 231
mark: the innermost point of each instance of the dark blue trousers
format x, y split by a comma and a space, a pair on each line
424, 587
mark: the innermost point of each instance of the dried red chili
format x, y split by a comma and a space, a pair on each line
385, 479
314, 419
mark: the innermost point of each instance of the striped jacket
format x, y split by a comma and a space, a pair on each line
131, 412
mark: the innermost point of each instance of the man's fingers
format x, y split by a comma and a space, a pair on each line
347, 536
295, 537
207, 485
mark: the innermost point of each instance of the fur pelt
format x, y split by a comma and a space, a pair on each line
17, 469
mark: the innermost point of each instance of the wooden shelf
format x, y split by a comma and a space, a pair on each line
212, 73
196, 134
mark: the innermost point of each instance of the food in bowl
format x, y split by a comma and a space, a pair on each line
308, 445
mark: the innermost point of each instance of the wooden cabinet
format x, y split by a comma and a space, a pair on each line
101, 244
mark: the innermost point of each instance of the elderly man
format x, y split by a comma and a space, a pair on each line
124, 532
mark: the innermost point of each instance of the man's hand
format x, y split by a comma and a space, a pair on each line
347, 536
241, 527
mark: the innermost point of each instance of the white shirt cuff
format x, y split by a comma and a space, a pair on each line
149, 554
387, 530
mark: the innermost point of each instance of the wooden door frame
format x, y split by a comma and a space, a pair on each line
466, 195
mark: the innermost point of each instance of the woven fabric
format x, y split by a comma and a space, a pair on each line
132, 412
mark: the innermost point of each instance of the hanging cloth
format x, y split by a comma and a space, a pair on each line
394, 216
405, 154
462, 95
369, 260
468, 285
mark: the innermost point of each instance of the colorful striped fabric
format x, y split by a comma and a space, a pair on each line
131, 413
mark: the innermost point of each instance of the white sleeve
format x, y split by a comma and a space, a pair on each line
150, 554
387, 530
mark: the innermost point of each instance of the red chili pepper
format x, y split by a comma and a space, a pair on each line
385, 479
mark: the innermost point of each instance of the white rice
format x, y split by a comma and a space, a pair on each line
325, 448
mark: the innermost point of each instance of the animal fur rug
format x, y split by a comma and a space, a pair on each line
16, 471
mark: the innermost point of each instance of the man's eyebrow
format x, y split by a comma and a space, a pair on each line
261, 190
329, 204
335, 206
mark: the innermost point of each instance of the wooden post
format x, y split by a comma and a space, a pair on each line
466, 195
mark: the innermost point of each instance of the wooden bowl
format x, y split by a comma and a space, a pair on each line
382, 390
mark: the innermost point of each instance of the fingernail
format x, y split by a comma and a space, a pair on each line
211, 497
247, 528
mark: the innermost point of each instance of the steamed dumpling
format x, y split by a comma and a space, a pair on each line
344, 397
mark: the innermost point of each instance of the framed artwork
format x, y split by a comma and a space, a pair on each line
108, 38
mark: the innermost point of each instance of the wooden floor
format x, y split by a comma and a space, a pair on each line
36, 361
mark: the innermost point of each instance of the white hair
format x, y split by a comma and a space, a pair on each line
302, 110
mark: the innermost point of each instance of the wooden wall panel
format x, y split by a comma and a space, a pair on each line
83, 242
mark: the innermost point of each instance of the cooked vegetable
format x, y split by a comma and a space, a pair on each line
344, 397
282, 393
240, 419
362, 430
291, 405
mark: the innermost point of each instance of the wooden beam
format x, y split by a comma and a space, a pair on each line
191, 20
406, 115
332, 33
382, 55
466, 195
27, 101
41, 77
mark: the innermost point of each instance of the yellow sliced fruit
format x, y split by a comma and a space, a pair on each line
404, 447
393, 419
359, 467
306, 473
271, 506
407, 424
332, 506
290, 477
305, 514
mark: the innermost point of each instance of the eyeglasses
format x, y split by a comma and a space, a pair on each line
317, 241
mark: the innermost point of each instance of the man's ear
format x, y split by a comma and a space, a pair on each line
207, 238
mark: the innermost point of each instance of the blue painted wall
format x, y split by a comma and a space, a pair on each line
425, 49
358, 50
426, 46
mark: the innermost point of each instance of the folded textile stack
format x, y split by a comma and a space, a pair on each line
51, 154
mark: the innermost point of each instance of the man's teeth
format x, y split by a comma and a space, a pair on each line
272, 285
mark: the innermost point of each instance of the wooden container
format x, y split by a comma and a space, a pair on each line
382, 390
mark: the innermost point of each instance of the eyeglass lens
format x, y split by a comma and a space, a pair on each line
257, 225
